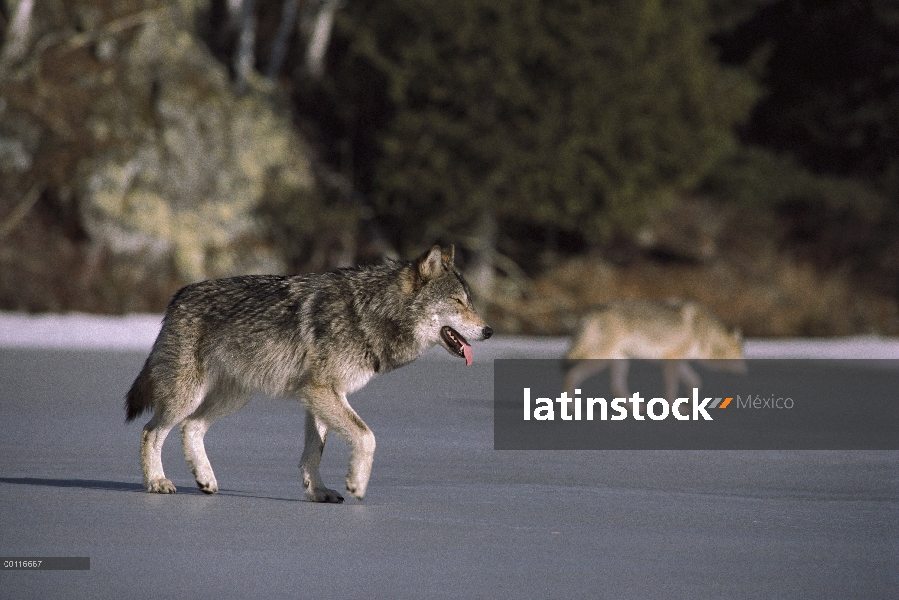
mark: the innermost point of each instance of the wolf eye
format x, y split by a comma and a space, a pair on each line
460, 301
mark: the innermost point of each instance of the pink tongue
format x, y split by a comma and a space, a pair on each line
467, 350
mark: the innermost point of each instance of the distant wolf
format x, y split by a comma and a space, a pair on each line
677, 330
315, 338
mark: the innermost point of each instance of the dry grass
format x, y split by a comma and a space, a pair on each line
47, 265
772, 296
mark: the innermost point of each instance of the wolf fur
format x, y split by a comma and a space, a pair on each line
315, 338
677, 331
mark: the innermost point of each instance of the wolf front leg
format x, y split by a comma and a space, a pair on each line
581, 371
316, 433
332, 411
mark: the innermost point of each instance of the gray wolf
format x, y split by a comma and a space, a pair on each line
315, 338
675, 330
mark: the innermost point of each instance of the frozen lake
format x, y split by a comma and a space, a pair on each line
446, 515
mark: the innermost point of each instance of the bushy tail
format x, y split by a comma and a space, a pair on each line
140, 397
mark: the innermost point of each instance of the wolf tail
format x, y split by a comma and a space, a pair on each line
140, 397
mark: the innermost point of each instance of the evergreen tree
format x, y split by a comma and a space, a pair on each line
565, 113
832, 77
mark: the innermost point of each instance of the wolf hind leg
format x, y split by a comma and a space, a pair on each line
689, 376
171, 407
676, 371
192, 432
316, 434
221, 400
332, 409
152, 439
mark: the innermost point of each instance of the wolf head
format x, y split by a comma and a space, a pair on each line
726, 351
450, 318
737, 364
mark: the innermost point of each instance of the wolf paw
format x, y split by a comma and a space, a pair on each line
210, 487
356, 490
324, 494
161, 486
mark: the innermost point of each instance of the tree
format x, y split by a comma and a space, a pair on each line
832, 76
568, 113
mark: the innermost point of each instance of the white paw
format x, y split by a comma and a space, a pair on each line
356, 488
209, 487
161, 486
324, 494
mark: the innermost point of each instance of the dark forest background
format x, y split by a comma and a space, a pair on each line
739, 152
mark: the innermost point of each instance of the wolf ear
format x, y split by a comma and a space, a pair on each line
430, 265
448, 254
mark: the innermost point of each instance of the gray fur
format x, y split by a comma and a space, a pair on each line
316, 338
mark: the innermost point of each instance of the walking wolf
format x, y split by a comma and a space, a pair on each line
315, 338
676, 330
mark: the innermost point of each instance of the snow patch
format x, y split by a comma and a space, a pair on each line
79, 331
138, 331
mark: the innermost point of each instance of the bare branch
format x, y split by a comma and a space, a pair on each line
282, 38
18, 34
245, 58
7, 226
119, 25
321, 35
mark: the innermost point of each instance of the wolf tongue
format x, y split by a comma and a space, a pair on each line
466, 349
